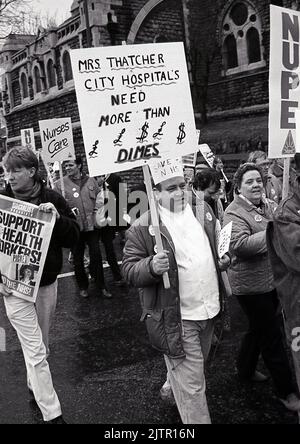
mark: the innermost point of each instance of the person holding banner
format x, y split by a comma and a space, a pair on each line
283, 236
32, 321
180, 320
81, 192
251, 279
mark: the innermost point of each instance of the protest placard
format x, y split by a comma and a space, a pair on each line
134, 103
27, 139
57, 140
224, 239
284, 82
207, 154
25, 234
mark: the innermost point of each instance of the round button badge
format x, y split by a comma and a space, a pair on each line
258, 218
151, 230
209, 217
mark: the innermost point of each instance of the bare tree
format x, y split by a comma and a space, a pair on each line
13, 16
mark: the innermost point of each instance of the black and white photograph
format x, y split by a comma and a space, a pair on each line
149, 214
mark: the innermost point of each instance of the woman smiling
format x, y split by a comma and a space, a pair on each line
251, 279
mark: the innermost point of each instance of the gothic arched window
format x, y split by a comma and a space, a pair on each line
24, 86
37, 80
253, 45
241, 38
230, 52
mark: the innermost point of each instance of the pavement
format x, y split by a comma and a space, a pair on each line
105, 371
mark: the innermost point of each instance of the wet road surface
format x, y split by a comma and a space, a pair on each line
104, 370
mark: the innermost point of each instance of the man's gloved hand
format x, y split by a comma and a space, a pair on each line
224, 262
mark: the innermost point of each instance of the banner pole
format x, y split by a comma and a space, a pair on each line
225, 177
62, 184
286, 177
154, 219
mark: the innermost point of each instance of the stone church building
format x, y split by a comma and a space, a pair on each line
227, 48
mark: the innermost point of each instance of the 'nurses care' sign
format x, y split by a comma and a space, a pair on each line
57, 140
134, 103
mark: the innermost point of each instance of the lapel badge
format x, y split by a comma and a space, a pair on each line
151, 230
155, 249
209, 217
258, 218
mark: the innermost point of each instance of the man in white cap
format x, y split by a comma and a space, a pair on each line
180, 320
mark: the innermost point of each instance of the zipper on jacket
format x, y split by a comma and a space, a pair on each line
181, 321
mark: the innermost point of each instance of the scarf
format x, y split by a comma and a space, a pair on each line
31, 195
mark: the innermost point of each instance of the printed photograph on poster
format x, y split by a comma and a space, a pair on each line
135, 105
25, 234
284, 89
57, 140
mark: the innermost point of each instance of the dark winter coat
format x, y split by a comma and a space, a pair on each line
65, 233
283, 238
250, 271
161, 307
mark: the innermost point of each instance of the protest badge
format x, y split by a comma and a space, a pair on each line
57, 140
25, 234
224, 240
164, 169
27, 139
207, 154
284, 87
135, 105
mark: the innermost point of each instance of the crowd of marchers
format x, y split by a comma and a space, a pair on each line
261, 270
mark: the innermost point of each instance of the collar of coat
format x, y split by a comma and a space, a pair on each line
249, 206
203, 213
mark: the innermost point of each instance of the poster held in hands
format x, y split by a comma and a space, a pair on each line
25, 234
134, 103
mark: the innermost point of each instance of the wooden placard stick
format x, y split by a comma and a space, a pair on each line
154, 219
286, 178
61, 176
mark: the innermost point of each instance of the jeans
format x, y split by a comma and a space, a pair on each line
186, 376
91, 239
264, 337
23, 317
